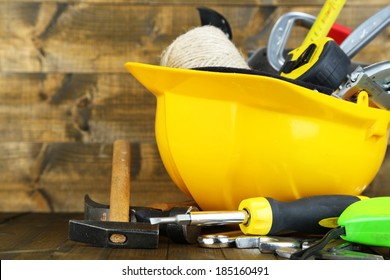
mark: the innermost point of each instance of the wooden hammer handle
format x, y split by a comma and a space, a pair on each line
120, 182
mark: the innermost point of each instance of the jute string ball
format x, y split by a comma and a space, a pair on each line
203, 47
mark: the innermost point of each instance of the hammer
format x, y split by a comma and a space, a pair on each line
118, 232
94, 211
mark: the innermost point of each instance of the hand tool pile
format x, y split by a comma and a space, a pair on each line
120, 226
331, 66
272, 226
324, 58
265, 224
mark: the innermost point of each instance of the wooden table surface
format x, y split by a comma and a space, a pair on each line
45, 236
41, 236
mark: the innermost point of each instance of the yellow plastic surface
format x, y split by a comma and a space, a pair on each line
226, 137
324, 21
260, 216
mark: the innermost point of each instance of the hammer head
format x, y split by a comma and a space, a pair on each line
100, 233
94, 211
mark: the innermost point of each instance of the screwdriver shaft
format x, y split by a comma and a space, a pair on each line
205, 218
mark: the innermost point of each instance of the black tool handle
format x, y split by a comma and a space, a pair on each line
269, 216
304, 215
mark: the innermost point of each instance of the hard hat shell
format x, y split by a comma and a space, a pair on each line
225, 137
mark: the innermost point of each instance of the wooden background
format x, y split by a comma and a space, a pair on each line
65, 95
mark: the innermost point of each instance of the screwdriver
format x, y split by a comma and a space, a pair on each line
264, 216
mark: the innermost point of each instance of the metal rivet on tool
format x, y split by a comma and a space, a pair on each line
118, 238
354, 76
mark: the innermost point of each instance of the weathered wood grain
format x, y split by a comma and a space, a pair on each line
31, 233
45, 236
7, 216
247, 254
214, 2
65, 95
75, 107
55, 177
91, 37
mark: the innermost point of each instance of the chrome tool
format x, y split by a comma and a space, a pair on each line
266, 244
366, 32
357, 39
374, 79
337, 250
263, 216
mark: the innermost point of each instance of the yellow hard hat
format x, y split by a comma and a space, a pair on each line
225, 137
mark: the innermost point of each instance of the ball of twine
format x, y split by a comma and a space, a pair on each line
201, 47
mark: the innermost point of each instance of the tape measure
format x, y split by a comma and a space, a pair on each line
324, 21
319, 60
322, 62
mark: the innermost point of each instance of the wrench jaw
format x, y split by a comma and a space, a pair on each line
265, 244
272, 246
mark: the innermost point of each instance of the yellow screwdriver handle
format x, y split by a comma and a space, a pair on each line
268, 216
260, 216
324, 21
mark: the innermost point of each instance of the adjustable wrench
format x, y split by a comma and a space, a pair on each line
266, 244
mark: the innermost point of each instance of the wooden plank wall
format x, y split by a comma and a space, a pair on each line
65, 95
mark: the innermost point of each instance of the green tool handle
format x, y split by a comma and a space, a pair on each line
269, 216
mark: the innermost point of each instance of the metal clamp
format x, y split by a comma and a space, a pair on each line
281, 32
374, 79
